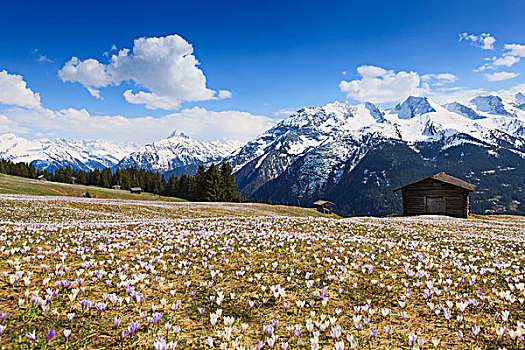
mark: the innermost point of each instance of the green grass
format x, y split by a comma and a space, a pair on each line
19, 185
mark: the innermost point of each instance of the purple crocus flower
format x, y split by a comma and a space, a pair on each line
50, 335
116, 322
374, 333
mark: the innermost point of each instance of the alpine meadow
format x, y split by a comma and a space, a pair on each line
273, 175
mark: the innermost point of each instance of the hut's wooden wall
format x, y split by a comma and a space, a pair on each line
325, 208
457, 202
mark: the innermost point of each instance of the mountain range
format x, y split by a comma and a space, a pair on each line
51, 155
176, 154
353, 155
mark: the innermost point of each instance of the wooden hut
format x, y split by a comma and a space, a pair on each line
325, 207
439, 194
136, 190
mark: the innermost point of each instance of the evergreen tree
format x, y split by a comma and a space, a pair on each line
229, 192
196, 191
211, 184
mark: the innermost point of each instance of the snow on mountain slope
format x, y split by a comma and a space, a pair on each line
176, 151
47, 154
491, 104
306, 129
317, 142
463, 110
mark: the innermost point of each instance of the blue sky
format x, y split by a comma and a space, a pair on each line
260, 60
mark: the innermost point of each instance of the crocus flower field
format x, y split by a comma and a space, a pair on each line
93, 274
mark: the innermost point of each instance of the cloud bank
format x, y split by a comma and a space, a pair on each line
25, 114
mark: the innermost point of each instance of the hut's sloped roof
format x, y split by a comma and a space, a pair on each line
135, 189
321, 202
446, 179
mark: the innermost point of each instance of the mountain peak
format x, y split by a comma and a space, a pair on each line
520, 97
177, 133
492, 104
412, 107
9, 136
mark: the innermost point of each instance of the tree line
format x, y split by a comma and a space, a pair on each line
214, 184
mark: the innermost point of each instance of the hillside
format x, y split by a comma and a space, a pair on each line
106, 199
19, 185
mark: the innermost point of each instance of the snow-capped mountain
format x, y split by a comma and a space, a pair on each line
178, 153
319, 151
50, 155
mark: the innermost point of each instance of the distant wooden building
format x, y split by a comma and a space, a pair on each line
439, 194
325, 207
136, 190
115, 187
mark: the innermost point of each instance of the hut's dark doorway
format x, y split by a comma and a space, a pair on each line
435, 205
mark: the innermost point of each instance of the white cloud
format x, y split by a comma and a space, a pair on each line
90, 73
499, 76
286, 112
380, 86
164, 67
209, 125
41, 57
484, 40
459, 94
439, 79
514, 89
507, 61
197, 122
44, 59
224, 94
511, 56
7, 125
515, 49
14, 91
113, 48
